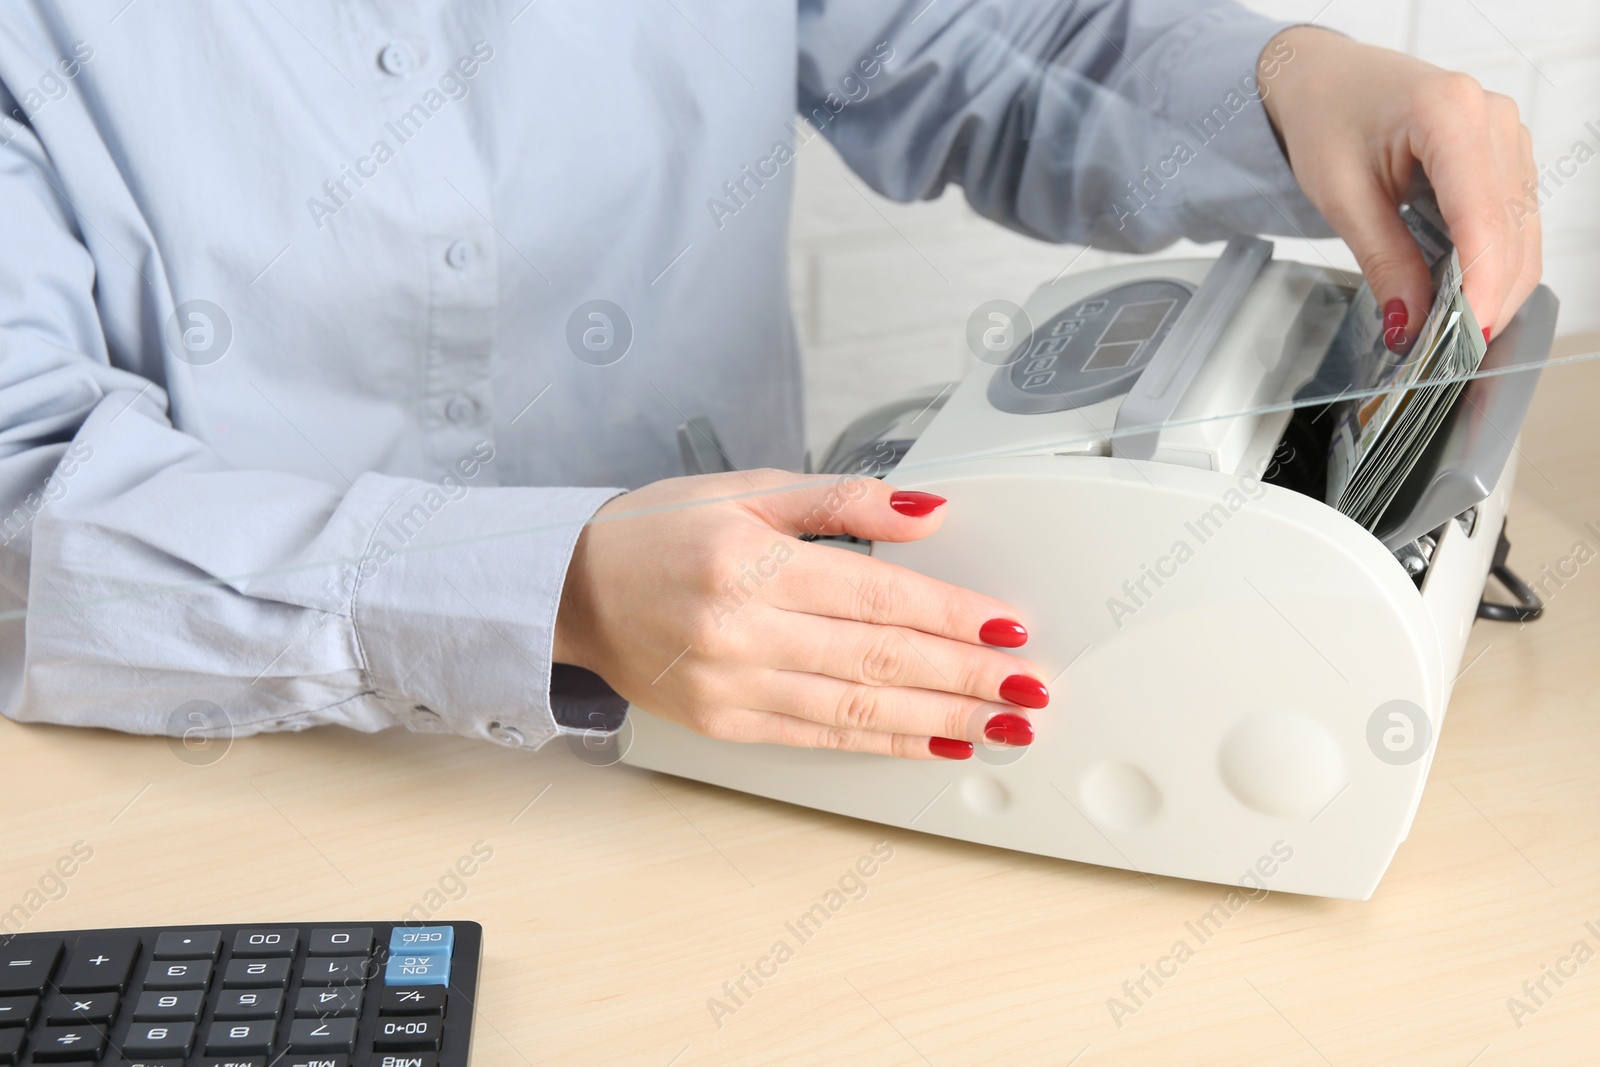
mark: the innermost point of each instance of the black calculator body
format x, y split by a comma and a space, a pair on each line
367, 994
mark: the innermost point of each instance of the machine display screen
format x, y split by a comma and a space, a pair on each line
1132, 325
1107, 356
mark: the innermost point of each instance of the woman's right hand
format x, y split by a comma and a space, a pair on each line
696, 600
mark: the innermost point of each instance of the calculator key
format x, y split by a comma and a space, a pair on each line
245, 1036
178, 974
98, 962
177, 1006
315, 1059
188, 945
340, 941
417, 970
427, 1000
11, 1044
322, 1035
274, 942
249, 1004
256, 973
336, 970
65, 1044
26, 963
71, 1008
419, 940
407, 1034
324, 1003
17, 1011
158, 1039
230, 1061
403, 1059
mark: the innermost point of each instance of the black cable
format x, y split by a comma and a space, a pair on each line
1528, 606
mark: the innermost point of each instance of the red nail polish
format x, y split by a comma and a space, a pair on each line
1395, 318
1003, 633
1008, 728
1028, 692
950, 748
1486, 335
915, 504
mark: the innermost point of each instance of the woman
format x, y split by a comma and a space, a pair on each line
318, 320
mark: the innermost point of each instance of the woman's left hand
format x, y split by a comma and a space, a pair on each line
1356, 119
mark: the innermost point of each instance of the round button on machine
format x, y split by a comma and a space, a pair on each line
1282, 763
1119, 795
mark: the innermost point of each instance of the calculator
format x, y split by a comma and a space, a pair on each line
372, 994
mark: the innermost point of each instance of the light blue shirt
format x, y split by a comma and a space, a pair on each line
304, 397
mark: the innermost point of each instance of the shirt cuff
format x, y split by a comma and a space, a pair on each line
583, 703
455, 606
1213, 95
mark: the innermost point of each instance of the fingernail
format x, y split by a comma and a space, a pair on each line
1008, 728
1028, 692
1395, 319
915, 504
1486, 335
1004, 633
950, 748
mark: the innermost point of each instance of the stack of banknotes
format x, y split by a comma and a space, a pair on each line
1398, 401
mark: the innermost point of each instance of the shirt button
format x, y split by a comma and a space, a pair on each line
461, 410
506, 735
397, 59
459, 255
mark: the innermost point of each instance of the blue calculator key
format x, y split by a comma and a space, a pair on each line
423, 940
426, 969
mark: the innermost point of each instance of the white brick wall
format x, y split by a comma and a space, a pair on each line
882, 290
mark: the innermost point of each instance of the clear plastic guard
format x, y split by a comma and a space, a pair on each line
1270, 384
1338, 372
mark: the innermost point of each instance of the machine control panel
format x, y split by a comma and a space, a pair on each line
1090, 351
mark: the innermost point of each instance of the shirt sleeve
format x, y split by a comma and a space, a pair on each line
1125, 124
147, 587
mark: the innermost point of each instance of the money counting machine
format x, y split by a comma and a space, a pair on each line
1247, 686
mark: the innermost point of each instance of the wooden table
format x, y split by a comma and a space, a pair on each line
617, 903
